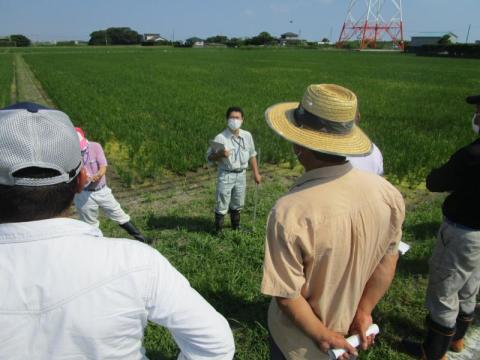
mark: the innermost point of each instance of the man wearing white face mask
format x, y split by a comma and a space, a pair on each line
454, 277
235, 150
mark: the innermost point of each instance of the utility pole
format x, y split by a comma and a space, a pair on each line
105, 37
468, 32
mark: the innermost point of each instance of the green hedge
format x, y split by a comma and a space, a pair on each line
454, 50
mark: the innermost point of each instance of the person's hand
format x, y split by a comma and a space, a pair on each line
95, 178
360, 324
226, 153
258, 178
333, 340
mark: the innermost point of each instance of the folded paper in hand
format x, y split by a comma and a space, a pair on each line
403, 248
216, 146
354, 340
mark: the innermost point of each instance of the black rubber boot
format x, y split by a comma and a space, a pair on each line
133, 231
463, 322
435, 345
235, 219
218, 222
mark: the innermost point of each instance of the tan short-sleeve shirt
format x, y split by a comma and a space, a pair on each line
324, 240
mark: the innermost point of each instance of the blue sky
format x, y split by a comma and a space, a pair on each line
76, 19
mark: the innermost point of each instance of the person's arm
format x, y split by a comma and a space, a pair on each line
198, 329
301, 313
376, 287
253, 159
101, 162
256, 173
445, 178
101, 172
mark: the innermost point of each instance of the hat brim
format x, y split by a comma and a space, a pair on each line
280, 118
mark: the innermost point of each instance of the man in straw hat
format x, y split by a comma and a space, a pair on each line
97, 194
331, 245
454, 277
67, 292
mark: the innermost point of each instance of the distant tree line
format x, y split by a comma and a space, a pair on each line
471, 51
17, 40
128, 36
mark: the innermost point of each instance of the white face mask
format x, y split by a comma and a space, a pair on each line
475, 127
234, 124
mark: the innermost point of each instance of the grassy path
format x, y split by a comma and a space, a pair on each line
177, 212
26, 86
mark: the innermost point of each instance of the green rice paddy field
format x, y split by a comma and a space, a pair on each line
159, 106
156, 109
6, 76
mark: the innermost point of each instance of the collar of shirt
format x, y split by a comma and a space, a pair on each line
44, 230
323, 173
230, 135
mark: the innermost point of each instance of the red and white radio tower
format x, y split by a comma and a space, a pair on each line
369, 21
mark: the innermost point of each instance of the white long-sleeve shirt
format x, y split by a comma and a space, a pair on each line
66, 292
372, 163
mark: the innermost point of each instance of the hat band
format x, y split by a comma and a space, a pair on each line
303, 118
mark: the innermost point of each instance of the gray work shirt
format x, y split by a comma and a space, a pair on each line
241, 147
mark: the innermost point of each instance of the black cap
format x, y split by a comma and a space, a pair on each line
474, 99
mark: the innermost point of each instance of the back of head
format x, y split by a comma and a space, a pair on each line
39, 162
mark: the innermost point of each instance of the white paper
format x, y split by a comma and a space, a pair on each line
354, 341
403, 248
216, 146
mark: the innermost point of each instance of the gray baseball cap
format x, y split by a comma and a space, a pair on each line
33, 136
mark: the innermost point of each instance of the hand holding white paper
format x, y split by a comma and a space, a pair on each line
354, 341
403, 248
216, 146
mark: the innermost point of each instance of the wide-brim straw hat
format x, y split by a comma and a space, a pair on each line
324, 121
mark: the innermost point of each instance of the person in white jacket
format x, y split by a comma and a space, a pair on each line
373, 162
68, 291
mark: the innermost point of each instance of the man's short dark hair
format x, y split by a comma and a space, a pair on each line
234, 109
329, 157
31, 203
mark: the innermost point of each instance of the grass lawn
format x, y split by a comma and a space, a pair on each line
227, 270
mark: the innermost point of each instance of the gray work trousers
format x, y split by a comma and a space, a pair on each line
231, 188
454, 277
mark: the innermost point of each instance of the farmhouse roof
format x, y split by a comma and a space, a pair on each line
435, 34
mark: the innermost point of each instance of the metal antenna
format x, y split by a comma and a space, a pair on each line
366, 22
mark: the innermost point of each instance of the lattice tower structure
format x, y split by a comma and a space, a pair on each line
371, 21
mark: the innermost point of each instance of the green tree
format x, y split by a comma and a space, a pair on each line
20, 40
264, 38
115, 36
217, 39
235, 42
